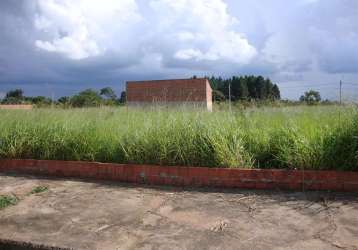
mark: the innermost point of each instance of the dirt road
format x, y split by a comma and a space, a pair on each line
103, 215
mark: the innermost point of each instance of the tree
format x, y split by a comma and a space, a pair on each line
86, 98
109, 93
39, 100
276, 92
251, 85
261, 88
17, 93
311, 97
123, 97
235, 85
64, 100
243, 90
218, 96
14, 97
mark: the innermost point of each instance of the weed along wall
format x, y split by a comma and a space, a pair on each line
188, 176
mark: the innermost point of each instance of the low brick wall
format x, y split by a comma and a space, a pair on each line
188, 176
16, 106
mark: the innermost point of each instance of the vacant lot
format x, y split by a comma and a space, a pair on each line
318, 137
90, 215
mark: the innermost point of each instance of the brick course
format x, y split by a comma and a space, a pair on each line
188, 176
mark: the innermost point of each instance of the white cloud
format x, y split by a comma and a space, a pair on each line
205, 30
187, 54
77, 46
196, 30
80, 29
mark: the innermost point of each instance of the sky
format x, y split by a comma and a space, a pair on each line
59, 47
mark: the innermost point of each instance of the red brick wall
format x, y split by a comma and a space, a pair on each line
181, 90
188, 176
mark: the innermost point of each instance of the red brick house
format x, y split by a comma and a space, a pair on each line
187, 92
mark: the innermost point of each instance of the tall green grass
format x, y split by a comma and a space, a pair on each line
292, 137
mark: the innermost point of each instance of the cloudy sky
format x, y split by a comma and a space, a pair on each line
62, 46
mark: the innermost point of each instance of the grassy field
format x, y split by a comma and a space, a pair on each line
317, 137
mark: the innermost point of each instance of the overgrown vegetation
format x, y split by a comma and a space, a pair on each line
310, 137
8, 200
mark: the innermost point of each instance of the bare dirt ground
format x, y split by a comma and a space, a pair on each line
103, 215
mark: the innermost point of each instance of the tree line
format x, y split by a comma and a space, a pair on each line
86, 98
244, 88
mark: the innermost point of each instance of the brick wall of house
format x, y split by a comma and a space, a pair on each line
190, 91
